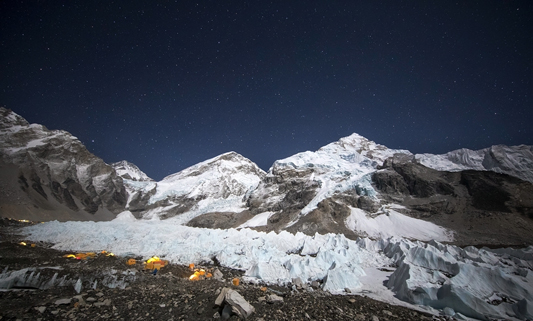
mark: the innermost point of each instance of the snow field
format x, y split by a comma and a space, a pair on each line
390, 223
260, 219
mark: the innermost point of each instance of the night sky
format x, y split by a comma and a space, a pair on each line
167, 84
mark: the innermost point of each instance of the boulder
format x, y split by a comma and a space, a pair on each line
231, 299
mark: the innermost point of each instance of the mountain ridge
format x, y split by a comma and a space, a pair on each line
341, 188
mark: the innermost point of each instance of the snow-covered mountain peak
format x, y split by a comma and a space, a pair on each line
225, 163
130, 171
342, 154
356, 143
341, 166
219, 184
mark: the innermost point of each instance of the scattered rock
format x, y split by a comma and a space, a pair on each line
217, 275
298, 283
106, 302
41, 309
273, 298
80, 299
63, 301
386, 312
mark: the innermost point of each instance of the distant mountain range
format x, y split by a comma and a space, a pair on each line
481, 197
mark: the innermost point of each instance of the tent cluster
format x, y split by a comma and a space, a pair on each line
199, 274
85, 256
154, 264
25, 244
81, 256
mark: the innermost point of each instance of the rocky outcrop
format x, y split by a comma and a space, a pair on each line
482, 207
51, 171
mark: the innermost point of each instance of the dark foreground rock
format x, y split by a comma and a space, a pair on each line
167, 295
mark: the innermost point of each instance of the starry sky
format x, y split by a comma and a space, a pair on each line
167, 84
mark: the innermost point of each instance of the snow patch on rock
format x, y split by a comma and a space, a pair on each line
389, 223
260, 219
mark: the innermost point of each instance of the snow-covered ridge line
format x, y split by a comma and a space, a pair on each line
511, 160
470, 282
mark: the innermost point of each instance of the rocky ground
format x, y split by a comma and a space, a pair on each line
167, 295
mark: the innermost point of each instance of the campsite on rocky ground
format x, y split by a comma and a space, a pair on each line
167, 295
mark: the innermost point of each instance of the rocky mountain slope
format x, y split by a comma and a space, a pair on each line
481, 207
49, 174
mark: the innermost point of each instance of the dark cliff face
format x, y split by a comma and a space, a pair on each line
481, 206
52, 171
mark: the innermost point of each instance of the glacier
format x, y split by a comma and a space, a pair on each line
465, 282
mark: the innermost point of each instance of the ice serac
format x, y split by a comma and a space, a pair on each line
218, 186
311, 191
477, 283
49, 174
515, 161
